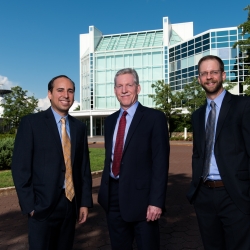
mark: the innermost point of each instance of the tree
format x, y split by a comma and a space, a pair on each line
243, 63
165, 100
193, 96
77, 108
179, 106
16, 105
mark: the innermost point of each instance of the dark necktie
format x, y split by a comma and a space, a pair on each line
210, 128
119, 144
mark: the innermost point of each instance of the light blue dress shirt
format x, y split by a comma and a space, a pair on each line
58, 123
213, 171
129, 118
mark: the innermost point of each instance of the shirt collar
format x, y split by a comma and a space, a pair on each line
58, 117
131, 110
218, 100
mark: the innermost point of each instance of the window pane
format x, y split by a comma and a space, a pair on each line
100, 62
157, 58
224, 53
222, 33
137, 60
191, 61
119, 62
222, 39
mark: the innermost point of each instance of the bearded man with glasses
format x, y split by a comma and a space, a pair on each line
220, 186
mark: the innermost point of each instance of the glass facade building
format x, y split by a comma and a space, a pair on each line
170, 54
184, 57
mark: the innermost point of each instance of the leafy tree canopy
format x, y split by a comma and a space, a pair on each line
178, 106
166, 100
16, 105
193, 96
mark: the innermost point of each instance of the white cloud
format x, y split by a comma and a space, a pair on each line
5, 83
44, 103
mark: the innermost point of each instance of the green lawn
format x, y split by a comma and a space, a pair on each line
6, 179
96, 163
97, 156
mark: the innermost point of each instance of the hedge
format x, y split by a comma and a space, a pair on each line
6, 151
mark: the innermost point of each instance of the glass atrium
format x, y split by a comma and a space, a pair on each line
170, 54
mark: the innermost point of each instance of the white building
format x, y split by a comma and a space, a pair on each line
170, 54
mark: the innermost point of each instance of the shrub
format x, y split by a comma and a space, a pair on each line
2, 136
180, 138
6, 151
176, 138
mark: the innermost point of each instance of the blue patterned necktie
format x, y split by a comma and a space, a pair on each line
210, 128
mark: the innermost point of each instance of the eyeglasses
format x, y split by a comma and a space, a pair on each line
212, 73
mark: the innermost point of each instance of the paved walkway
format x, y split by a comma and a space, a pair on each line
179, 229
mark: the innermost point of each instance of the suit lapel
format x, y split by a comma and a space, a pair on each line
72, 128
136, 119
52, 127
202, 134
225, 106
110, 128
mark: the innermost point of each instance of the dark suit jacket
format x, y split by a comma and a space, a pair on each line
231, 149
38, 165
144, 165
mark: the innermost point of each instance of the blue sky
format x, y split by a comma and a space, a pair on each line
39, 39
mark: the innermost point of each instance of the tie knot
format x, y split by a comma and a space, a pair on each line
63, 120
212, 104
124, 113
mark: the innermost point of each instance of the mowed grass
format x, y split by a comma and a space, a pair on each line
96, 163
6, 179
96, 156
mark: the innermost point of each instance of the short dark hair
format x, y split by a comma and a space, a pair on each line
211, 57
51, 82
127, 71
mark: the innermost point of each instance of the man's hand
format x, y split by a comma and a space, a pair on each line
83, 214
153, 213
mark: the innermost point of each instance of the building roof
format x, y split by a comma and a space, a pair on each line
131, 41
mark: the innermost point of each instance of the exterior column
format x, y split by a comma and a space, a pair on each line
91, 126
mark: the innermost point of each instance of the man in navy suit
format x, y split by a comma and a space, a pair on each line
134, 197
39, 168
221, 192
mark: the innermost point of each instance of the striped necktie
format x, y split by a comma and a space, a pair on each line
210, 128
66, 146
119, 145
